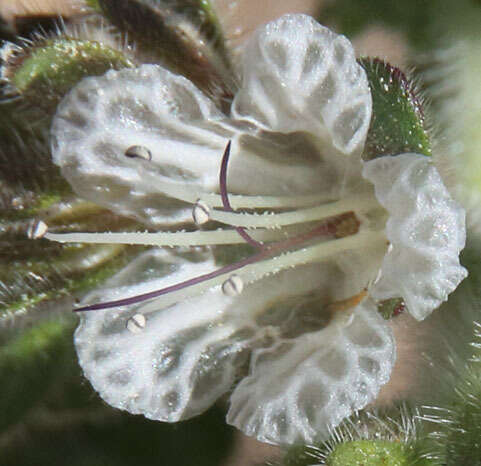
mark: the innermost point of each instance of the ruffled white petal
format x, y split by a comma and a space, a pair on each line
300, 76
301, 388
426, 229
179, 363
191, 350
186, 134
103, 116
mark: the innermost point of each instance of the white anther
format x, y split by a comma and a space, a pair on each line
233, 286
200, 212
139, 152
136, 323
37, 229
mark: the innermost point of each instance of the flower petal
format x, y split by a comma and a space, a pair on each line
150, 107
103, 117
180, 362
301, 388
300, 76
189, 350
426, 229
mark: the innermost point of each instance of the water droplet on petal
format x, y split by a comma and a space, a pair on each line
138, 152
136, 323
233, 286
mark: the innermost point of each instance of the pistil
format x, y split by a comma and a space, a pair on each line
270, 260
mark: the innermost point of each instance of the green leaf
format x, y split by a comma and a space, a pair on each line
398, 122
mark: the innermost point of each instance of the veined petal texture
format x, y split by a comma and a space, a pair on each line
185, 134
426, 229
300, 76
150, 107
298, 390
173, 357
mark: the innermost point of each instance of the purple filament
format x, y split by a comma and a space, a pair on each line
178, 286
225, 198
326, 228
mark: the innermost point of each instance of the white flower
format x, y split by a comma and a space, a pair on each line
294, 330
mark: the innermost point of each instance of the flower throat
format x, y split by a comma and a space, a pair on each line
333, 223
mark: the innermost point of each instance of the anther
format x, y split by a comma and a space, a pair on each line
347, 224
233, 286
136, 323
348, 303
200, 212
37, 229
138, 152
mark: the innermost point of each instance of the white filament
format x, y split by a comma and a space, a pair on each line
252, 272
181, 238
359, 204
205, 238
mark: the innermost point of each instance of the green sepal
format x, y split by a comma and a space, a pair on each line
43, 74
391, 436
373, 453
185, 35
398, 121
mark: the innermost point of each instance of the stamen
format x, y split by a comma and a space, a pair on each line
225, 198
168, 239
359, 204
172, 288
339, 225
348, 303
136, 323
327, 228
251, 270
139, 152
